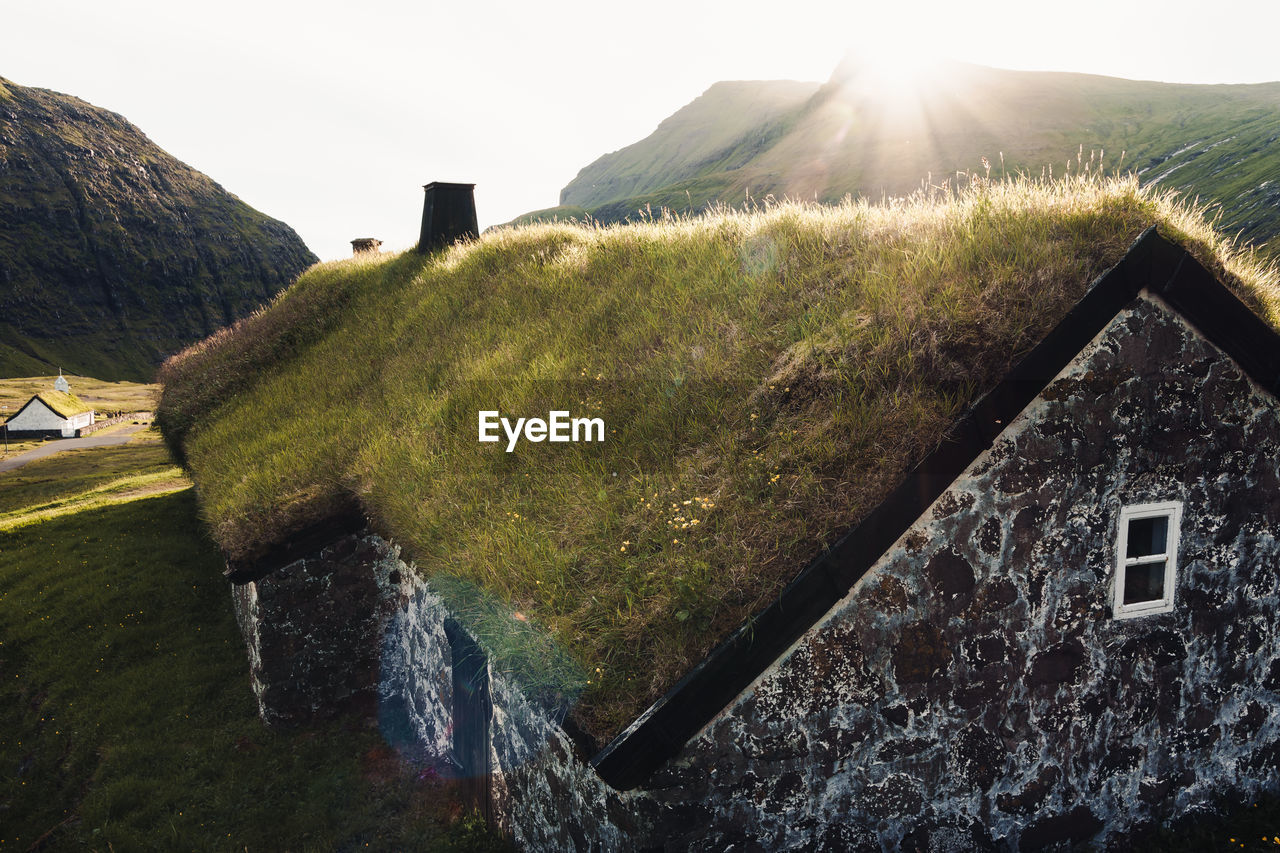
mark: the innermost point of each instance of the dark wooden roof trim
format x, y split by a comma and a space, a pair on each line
1152, 262
1217, 314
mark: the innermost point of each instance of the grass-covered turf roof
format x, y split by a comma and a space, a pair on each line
765, 378
61, 403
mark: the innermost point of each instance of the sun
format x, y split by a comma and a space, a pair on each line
890, 72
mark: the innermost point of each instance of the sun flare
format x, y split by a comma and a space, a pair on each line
891, 73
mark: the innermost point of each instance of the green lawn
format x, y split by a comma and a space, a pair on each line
77, 479
126, 719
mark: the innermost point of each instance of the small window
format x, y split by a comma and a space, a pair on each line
1147, 559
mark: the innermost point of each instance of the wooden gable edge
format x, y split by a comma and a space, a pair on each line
1152, 262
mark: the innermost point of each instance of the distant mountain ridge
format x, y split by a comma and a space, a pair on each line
849, 136
722, 129
113, 254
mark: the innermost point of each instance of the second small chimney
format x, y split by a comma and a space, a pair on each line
448, 215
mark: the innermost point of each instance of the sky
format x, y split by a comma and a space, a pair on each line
331, 116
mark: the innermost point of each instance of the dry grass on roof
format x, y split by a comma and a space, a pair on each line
66, 405
765, 378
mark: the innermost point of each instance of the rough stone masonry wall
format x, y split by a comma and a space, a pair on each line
974, 691
545, 795
548, 796
353, 628
314, 629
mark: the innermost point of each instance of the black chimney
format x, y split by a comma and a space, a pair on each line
448, 215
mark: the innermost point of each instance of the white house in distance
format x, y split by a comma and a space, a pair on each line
53, 414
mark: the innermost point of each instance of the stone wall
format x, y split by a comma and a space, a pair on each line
973, 690
549, 797
543, 793
354, 628
415, 687
101, 423
314, 629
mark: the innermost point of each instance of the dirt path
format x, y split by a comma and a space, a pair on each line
108, 440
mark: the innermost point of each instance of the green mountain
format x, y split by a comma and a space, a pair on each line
113, 254
865, 135
724, 129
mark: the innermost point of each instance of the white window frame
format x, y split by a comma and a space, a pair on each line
1171, 510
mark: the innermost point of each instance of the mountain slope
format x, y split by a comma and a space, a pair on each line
113, 254
863, 134
724, 128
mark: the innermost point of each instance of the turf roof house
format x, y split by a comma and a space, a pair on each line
52, 414
1063, 625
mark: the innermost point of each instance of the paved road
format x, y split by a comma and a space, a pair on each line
54, 445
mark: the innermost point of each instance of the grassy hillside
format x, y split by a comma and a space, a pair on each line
560, 213
722, 129
863, 135
113, 254
765, 379
126, 718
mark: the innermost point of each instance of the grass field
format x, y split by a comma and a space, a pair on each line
13, 446
126, 719
103, 396
1252, 825
76, 480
